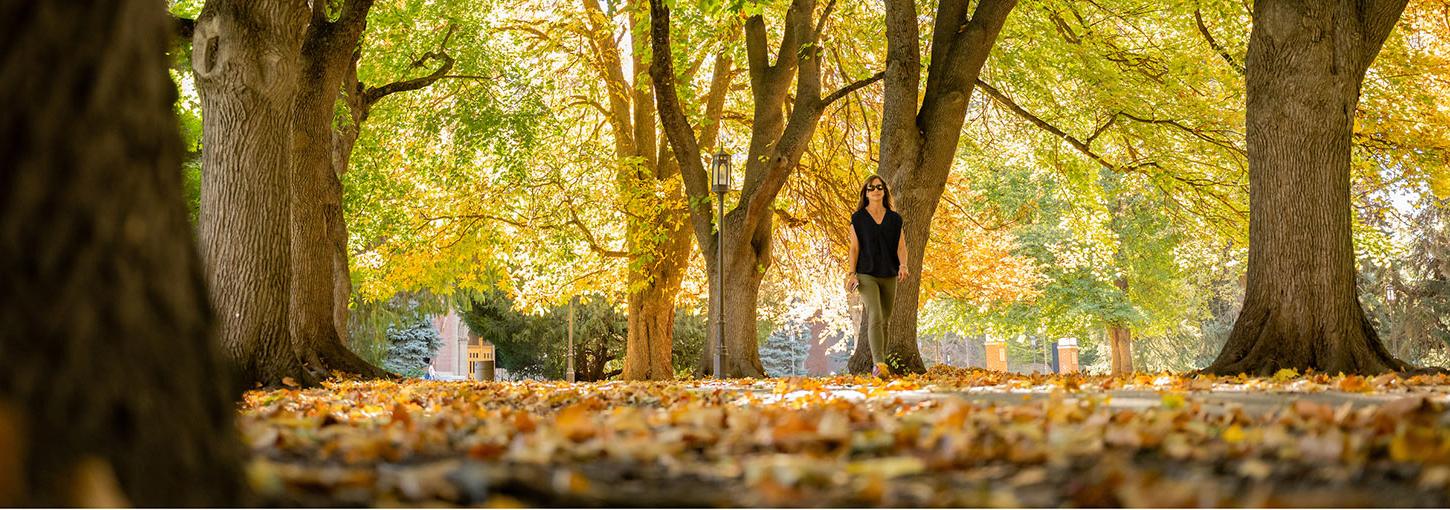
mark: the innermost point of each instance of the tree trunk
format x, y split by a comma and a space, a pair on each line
741, 295
112, 374
316, 193
246, 73
777, 142
919, 145
1120, 339
341, 273
1305, 63
744, 272
313, 203
649, 340
659, 245
1120, 342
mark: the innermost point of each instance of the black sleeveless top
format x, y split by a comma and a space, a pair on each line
877, 254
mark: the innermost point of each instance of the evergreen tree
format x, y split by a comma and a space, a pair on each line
784, 351
409, 344
1408, 297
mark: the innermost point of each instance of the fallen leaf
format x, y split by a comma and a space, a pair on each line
1284, 375
888, 467
576, 423
1353, 384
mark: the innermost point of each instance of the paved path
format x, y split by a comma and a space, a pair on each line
1250, 401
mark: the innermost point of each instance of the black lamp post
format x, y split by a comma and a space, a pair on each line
720, 180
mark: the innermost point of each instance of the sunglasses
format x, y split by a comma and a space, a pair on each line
873, 187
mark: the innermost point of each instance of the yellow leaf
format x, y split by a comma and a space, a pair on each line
889, 467
1440, 181
1173, 400
1285, 374
1400, 449
1233, 435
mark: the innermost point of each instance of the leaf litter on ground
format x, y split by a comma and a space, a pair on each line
950, 437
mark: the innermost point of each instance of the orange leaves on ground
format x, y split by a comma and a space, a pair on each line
852, 438
400, 415
576, 422
1353, 384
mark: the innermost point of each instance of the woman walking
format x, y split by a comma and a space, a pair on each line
878, 258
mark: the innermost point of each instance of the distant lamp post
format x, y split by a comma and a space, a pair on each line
720, 179
572, 302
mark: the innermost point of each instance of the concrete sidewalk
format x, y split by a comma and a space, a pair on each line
1249, 400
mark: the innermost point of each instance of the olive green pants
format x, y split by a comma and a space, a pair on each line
877, 295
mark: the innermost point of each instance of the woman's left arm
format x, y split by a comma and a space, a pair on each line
903, 273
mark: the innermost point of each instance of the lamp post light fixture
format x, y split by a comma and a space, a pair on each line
720, 180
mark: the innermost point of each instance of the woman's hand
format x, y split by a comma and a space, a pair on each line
903, 273
851, 282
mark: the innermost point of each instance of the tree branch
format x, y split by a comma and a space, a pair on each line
755, 58
825, 15
184, 27
1378, 18
374, 94
354, 14
782, 149
611, 71
1080, 145
858, 85
1196, 133
1085, 149
677, 127
589, 236
715, 99
1213, 43
797, 26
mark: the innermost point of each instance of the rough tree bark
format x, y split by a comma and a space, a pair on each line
918, 145
1120, 339
270, 75
1305, 65
111, 368
776, 144
244, 60
315, 202
657, 241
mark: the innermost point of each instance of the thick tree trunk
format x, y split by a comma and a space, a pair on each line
1120, 339
111, 372
246, 73
919, 145
316, 194
1120, 345
744, 272
1305, 63
649, 341
659, 246
313, 205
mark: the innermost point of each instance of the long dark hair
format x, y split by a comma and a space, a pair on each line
885, 197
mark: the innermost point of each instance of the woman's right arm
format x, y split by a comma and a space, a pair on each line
851, 259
